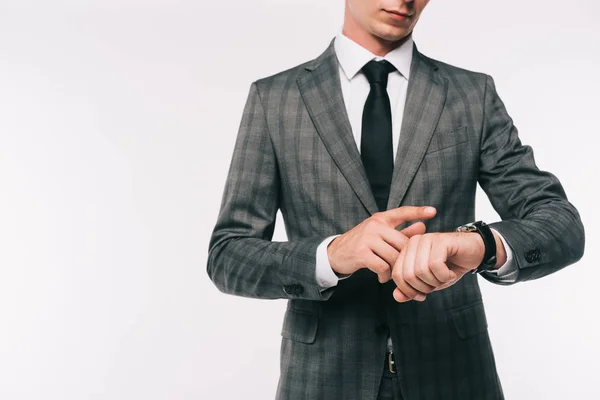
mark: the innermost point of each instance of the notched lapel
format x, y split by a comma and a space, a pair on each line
426, 95
321, 92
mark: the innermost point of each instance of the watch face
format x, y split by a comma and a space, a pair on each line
467, 228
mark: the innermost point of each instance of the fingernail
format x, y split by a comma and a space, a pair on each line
429, 210
420, 297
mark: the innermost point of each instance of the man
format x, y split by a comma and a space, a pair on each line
363, 149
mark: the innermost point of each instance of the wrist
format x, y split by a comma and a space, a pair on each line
487, 250
500, 251
479, 245
330, 255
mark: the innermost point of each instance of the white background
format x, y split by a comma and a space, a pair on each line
117, 124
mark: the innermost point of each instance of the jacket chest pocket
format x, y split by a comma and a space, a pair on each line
448, 139
449, 167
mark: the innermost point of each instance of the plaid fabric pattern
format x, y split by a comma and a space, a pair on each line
295, 152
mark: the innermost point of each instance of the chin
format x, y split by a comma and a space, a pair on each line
390, 33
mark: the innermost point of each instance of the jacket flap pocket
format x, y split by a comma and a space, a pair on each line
469, 320
442, 140
300, 326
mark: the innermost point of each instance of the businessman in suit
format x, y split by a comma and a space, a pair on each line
373, 151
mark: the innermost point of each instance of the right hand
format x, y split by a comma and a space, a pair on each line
375, 243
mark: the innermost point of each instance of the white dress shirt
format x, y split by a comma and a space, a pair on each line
355, 89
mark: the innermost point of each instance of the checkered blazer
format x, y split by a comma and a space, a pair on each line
295, 152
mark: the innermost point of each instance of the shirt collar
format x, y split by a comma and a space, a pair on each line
352, 56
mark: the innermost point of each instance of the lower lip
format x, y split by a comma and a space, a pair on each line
397, 16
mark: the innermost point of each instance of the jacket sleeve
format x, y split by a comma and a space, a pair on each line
242, 259
542, 227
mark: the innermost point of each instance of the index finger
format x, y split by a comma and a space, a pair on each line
400, 215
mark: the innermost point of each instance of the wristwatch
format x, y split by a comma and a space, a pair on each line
489, 258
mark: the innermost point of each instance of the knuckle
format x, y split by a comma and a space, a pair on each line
372, 223
373, 265
420, 271
383, 267
427, 238
377, 219
377, 214
437, 264
427, 290
414, 239
435, 258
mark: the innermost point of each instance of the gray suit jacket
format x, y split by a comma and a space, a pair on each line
295, 152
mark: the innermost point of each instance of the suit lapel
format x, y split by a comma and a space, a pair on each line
425, 98
321, 91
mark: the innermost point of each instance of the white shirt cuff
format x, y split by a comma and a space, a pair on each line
326, 278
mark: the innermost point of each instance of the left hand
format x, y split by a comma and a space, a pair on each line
435, 261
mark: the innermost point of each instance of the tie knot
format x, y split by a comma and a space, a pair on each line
378, 71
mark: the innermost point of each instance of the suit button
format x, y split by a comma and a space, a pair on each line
532, 255
287, 289
299, 289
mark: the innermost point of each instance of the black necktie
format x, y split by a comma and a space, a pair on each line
376, 139
377, 153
